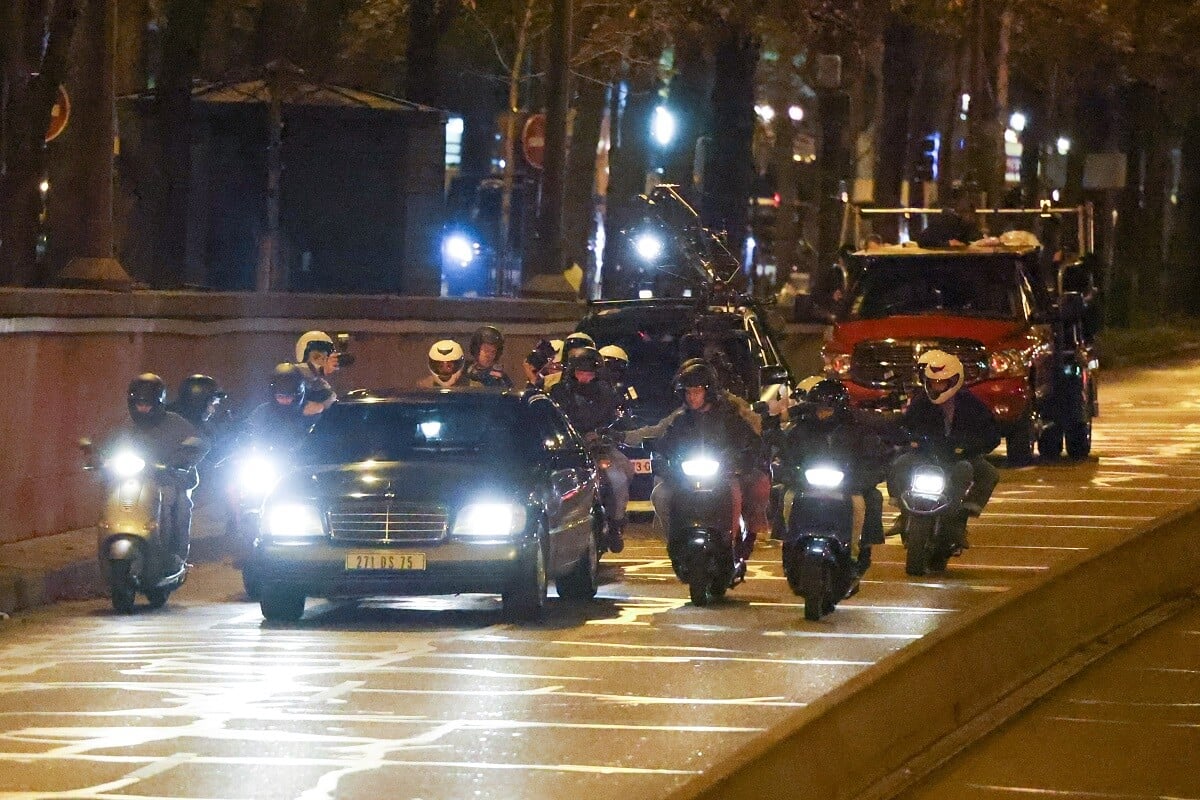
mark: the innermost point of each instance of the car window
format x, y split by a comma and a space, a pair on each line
911, 285
354, 432
551, 427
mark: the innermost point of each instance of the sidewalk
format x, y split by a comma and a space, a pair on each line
49, 569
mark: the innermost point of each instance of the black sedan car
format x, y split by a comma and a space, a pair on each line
433, 492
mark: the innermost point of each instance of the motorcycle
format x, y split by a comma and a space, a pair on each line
935, 521
701, 542
817, 549
132, 544
255, 472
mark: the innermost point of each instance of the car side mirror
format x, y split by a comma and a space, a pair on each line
807, 311
1070, 307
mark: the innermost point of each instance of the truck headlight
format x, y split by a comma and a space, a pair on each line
837, 363
294, 521
928, 483
489, 520
824, 477
700, 467
1007, 364
126, 464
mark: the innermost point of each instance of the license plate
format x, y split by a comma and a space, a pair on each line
384, 560
641, 466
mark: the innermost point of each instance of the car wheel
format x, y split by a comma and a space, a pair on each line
1019, 441
1079, 439
525, 598
583, 581
1050, 442
281, 605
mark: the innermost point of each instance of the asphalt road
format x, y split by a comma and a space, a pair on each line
628, 697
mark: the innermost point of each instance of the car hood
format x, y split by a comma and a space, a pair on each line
992, 333
449, 482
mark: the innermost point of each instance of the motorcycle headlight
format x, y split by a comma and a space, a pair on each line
928, 483
700, 467
489, 520
824, 477
257, 476
1007, 364
126, 464
294, 521
649, 246
460, 249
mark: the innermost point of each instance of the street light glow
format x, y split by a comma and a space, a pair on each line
1017, 121
662, 126
765, 112
795, 113
1064, 145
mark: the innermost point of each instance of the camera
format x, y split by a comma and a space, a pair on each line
345, 358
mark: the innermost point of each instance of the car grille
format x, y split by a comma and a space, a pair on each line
380, 520
892, 364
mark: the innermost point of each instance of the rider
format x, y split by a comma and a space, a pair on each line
487, 345
591, 403
447, 366
706, 414
165, 438
280, 422
957, 425
317, 359
571, 346
541, 361
616, 371
198, 402
829, 427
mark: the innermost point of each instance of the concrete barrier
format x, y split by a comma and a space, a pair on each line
68, 356
862, 732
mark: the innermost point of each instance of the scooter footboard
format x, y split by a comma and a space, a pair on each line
821, 516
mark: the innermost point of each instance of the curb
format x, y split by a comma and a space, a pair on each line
874, 724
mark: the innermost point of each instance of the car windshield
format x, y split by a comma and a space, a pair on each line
963, 286
388, 431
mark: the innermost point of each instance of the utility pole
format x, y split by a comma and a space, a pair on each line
547, 280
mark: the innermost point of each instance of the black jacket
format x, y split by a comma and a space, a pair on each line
490, 376
974, 431
947, 226
588, 406
853, 447
718, 430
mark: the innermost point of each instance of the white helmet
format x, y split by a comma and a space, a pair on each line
446, 360
808, 383
313, 339
576, 341
941, 375
557, 344
613, 351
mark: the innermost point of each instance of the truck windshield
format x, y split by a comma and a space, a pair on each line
958, 285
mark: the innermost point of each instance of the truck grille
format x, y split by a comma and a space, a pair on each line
381, 520
891, 364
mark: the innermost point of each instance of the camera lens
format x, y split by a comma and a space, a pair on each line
346, 359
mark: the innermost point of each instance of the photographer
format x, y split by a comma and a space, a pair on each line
317, 358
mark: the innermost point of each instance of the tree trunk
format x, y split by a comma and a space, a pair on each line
628, 163
579, 197
729, 172
690, 89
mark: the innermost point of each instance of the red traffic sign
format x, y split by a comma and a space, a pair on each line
59, 114
533, 140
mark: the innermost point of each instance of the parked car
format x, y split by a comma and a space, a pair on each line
433, 492
1023, 341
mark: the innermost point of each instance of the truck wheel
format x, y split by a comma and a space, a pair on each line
1050, 442
1019, 441
1079, 439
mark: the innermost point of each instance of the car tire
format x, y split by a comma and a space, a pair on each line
1050, 442
281, 604
525, 598
1019, 441
583, 581
1079, 440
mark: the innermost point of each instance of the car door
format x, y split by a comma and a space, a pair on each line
570, 472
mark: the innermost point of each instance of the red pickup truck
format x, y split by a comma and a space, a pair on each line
1022, 343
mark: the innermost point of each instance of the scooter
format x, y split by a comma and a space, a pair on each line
132, 544
935, 520
700, 542
255, 472
818, 558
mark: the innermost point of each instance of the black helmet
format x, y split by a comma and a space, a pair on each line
697, 374
587, 359
198, 395
287, 379
147, 389
830, 393
488, 334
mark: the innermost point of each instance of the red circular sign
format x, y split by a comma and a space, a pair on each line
59, 114
533, 140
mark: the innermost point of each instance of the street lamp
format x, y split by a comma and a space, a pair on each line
1017, 121
663, 126
1064, 145
765, 112
796, 113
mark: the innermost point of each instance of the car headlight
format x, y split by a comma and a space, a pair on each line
700, 467
1007, 364
649, 246
460, 249
824, 477
294, 521
126, 464
928, 483
489, 520
257, 476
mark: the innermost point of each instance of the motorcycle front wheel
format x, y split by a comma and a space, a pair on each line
916, 556
815, 581
700, 581
121, 588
